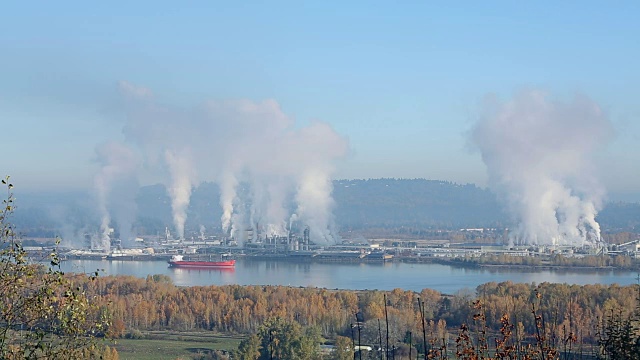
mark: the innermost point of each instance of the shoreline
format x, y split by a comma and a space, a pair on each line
407, 260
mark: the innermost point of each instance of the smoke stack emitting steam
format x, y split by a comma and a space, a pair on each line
116, 180
539, 156
179, 189
233, 143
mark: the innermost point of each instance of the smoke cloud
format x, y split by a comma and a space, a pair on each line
116, 186
252, 150
180, 187
539, 155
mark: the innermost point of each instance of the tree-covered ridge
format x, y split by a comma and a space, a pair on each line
359, 204
414, 202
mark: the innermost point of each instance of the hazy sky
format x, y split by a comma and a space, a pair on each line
402, 80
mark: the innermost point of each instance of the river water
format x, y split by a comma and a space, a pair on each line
357, 276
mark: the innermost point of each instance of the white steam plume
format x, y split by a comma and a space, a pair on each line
273, 206
314, 205
539, 154
228, 184
182, 180
242, 142
268, 213
319, 145
161, 134
115, 181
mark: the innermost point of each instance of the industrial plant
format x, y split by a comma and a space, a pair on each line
298, 246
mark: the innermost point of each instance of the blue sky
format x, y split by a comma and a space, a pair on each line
403, 81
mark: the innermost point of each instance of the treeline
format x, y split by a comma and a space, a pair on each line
618, 261
156, 303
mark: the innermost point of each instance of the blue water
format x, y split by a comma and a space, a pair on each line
443, 278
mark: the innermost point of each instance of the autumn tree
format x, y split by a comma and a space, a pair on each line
43, 313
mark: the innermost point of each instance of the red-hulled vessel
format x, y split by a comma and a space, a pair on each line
177, 261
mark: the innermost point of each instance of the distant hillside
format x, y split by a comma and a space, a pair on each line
154, 207
424, 203
620, 216
360, 204
415, 203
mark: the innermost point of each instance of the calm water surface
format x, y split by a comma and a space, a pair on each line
387, 276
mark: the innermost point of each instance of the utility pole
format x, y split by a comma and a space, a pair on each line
359, 322
386, 316
424, 330
353, 343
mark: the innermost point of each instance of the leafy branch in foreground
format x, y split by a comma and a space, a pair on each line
43, 314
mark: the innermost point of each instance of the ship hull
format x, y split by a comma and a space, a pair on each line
203, 264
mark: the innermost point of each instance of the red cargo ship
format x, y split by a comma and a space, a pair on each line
177, 261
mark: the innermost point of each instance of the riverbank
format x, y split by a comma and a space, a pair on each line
545, 265
475, 263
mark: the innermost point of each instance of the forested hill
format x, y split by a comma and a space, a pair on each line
360, 204
432, 203
415, 203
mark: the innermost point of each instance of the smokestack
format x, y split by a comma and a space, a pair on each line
306, 239
538, 153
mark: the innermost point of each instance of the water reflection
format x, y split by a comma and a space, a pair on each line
217, 276
381, 276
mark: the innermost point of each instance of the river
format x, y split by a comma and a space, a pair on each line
356, 276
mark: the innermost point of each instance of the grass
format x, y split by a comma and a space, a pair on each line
172, 345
